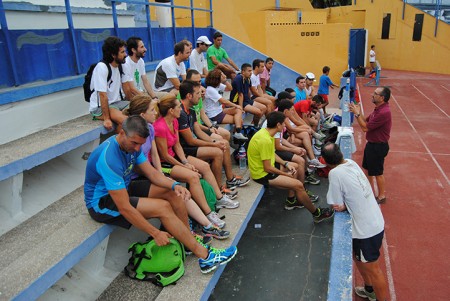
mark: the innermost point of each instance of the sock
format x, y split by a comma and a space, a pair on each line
317, 212
291, 199
368, 288
238, 130
208, 227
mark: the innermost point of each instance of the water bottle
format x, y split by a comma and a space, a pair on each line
242, 158
346, 146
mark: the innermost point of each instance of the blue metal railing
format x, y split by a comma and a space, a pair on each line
21, 72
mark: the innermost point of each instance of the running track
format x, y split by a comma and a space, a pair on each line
417, 172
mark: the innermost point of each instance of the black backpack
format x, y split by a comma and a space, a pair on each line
88, 77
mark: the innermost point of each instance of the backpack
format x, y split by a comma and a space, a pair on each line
160, 265
248, 131
88, 77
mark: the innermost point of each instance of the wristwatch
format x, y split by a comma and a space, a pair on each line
286, 164
357, 115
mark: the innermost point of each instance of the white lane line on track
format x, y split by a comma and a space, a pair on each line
390, 277
445, 88
421, 140
431, 101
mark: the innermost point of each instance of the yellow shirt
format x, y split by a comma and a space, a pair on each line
261, 147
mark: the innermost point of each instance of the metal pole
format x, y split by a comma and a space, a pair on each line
436, 14
173, 22
193, 23
72, 35
404, 6
9, 47
116, 23
149, 28
277, 4
210, 14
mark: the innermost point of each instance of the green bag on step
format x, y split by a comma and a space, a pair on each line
160, 265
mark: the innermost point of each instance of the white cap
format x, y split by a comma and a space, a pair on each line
204, 39
311, 75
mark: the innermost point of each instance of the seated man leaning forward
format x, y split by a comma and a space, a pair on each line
216, 54
105, 102
169, 70
112, 198
350, 189
262, 159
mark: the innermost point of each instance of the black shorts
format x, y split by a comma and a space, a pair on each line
285, 155
265, 180
190, 151
374, 155
368, 249
138, 187
219, 117
247, 102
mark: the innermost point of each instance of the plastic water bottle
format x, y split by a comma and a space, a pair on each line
346, 146
242, 158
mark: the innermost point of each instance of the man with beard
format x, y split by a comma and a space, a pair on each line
170, 69
134, 68
106, 101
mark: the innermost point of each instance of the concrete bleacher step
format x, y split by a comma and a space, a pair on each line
39, 169
38, 252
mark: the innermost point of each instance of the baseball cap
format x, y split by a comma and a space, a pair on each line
204, 39
310, 75
284, 95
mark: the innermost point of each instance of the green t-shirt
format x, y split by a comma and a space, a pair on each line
261, 147
220, 54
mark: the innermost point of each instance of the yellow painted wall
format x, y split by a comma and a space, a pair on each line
399, 52
243, 20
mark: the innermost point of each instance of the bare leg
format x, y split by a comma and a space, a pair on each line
161, 209
214, 154
207, 174
178, 205
373, 276
188, 176
285, 182
381, 186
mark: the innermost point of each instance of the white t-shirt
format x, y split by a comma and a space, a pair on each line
99, 84
211, 103
255, 80
197, 61
372, 56
167, 68
348, 184
134, 72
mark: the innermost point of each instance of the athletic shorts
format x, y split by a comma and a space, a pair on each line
325, 97
190, 151
248, 102
368, 249
219, 117
138, 187
373, 159
285, 155
265, 180
119, 105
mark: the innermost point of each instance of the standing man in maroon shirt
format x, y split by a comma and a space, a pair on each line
378, 131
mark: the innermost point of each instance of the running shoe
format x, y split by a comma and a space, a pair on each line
314, 198
215, 219
361, 291
231, 193
239, 136
314, 163
226, 202
215, 258
311, 179
238, 181
291, 205
216, 232
205, 241
324, 213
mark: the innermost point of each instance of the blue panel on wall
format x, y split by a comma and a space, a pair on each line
89, 46
357, 47
42, 54
6, 79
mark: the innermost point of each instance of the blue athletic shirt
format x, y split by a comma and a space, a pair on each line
108, 168
324, 84
299, 95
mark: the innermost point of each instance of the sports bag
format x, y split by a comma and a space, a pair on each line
160, 265
88, 78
